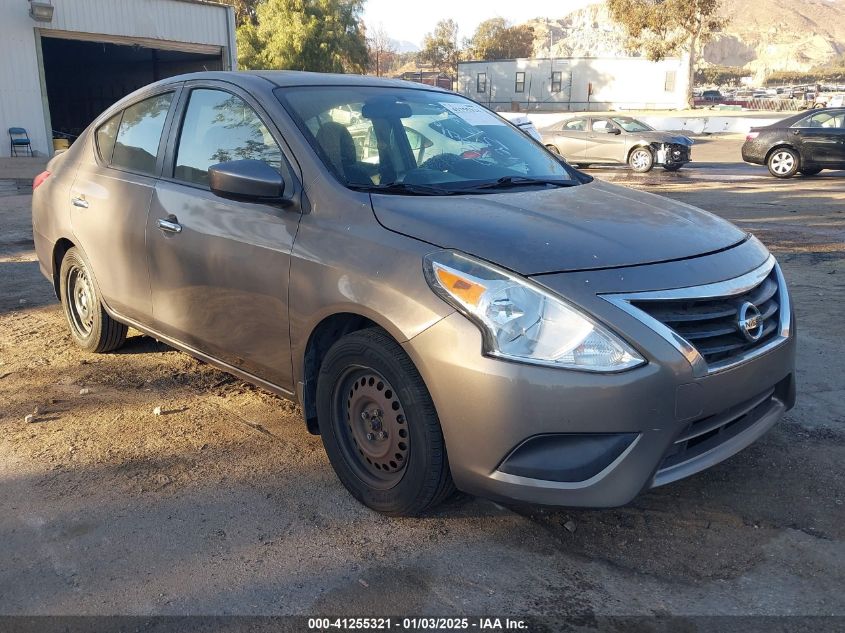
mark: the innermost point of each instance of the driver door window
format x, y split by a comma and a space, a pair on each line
601, 126
220, 127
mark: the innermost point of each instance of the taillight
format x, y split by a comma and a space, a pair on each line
44, 175
752, 135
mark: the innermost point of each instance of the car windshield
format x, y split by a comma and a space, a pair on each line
420, 142
632, 125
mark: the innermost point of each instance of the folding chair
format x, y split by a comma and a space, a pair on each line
19, 139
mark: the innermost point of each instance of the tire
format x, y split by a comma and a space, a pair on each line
810, 171
673, 166
584, 165
783, 162
91, 328
367, 386
553, 149
641, 160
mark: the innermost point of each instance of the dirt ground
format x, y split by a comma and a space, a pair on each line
225, 505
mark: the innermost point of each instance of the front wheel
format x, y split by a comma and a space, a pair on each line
783, 162
90, 325
379, 426
641, 160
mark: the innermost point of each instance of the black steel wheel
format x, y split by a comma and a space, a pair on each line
90, 326
372, 430
379, 427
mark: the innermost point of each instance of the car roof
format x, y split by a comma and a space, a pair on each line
786, 122
290, 78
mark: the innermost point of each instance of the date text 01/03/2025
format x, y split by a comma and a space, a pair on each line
417, 624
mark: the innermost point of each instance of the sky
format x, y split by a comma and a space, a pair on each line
403, 24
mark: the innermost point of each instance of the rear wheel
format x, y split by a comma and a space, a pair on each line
553, 149
641, 160
810, 171
379, 426
783, 162
90, 325
584, 165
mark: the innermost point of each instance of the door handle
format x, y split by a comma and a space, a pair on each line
82, 203
170, 224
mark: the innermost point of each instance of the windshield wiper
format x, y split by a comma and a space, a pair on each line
404, 188
507, 182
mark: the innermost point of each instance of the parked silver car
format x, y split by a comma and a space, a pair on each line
498, 323
617, 140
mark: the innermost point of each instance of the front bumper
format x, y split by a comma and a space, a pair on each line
636, 421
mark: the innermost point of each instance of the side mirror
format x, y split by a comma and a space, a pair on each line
614, 130
249, 180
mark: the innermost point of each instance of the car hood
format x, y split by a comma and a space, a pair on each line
661, 137
595, 225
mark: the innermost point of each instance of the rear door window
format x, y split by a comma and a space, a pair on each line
138, 137
823, 120
220, 127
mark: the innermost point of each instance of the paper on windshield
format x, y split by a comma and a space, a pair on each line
472, 113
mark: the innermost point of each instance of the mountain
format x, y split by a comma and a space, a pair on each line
404, 46
761, 36
768, 35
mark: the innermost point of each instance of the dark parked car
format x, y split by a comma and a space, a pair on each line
492, 321
807, 143
713, 96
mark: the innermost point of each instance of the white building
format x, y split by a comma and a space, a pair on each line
585, 83
62, 62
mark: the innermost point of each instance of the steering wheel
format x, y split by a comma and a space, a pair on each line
441, 162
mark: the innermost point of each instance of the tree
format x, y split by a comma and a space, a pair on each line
316, 35
244, 10
496, 39
660, 28
720, 75
440, 48
382, 51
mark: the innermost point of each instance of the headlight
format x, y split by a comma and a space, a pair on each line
522, 322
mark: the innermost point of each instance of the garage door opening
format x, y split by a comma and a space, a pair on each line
84, 78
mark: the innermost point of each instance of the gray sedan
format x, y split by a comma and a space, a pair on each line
482, 318
616, 140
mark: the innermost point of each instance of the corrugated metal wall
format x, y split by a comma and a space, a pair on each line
158, 19
170, 22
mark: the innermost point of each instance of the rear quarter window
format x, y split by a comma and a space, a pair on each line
138, 136
106, 135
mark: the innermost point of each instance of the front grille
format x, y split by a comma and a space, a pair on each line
703, 435
712, 325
